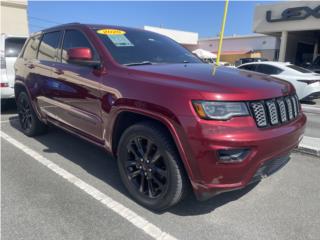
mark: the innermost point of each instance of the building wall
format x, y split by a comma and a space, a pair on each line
242, 46
14, 18
240, 43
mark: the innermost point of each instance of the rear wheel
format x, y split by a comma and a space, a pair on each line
29, 121
150, 166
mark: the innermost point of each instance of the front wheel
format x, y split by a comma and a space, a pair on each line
150, 166
29, 121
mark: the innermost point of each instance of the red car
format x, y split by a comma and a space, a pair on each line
170, 123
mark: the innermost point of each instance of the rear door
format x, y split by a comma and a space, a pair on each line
13, 46
43, 81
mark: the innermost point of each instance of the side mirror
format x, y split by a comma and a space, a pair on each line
81, 56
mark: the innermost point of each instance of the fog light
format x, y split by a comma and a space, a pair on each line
232, 155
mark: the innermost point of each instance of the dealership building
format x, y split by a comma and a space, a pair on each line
14, 19
287, 31
296, 23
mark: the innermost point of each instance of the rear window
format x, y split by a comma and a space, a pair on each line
268, 69
31, 49
251, 67
299, 69
13, 46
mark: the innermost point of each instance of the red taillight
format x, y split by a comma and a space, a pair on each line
4, 85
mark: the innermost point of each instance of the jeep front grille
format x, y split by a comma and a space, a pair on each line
275, 111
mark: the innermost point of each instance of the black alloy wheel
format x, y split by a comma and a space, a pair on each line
150, 166
146, 168
29, 121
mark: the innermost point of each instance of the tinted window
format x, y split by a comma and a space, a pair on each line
299, 69
31, 49
49, 46
13, 46
76, 39
267, 69
133, 46
251, 67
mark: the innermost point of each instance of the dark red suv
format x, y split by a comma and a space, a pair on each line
158, 109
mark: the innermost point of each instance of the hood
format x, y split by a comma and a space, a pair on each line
226, 84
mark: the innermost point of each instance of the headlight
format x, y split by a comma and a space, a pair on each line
220, 110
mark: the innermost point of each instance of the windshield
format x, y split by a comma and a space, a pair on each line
299, 69
136, 47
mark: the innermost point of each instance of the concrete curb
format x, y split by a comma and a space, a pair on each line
309, 145
310, 109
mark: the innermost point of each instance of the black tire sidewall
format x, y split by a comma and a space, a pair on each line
170, 156
35, 124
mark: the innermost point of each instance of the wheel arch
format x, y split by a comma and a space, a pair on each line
127, 117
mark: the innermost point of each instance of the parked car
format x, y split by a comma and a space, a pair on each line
158, 109
306, 82
10, 49
249, 60
314, 66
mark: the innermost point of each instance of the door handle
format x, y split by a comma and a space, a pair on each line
30, 65
58, 71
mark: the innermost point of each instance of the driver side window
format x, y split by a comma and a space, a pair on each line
76, 39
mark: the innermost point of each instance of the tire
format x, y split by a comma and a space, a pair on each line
29, 121
4, 105
146, 146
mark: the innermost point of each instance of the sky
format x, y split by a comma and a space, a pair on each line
201, 17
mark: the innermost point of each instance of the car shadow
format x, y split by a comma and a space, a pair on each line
100, 164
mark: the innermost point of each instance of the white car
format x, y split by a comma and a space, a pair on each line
10, 48
306, 82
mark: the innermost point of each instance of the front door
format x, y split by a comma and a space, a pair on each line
78, 94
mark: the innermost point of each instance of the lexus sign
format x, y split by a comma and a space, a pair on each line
294, 14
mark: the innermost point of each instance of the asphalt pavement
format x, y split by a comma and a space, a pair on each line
37, 203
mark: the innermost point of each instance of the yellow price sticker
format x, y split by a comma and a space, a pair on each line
109, 31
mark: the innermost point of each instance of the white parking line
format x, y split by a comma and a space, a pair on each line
9, 120
138, 221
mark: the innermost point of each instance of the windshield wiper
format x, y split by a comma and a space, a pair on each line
139, 63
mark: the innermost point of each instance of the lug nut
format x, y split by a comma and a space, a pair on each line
145, 174
147, 161
140, 167
150, 170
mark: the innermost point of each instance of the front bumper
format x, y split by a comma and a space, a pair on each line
210, 176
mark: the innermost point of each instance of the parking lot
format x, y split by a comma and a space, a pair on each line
38, 203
